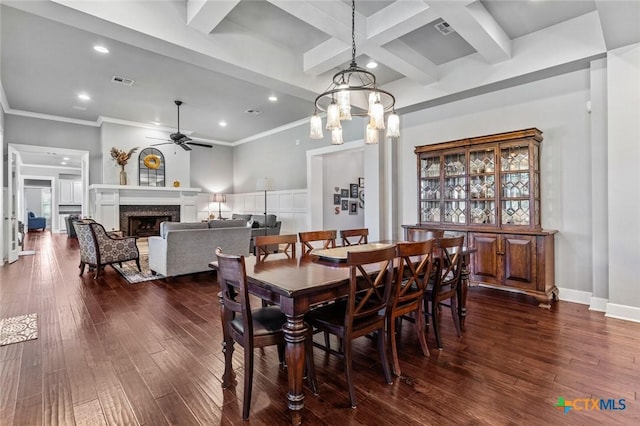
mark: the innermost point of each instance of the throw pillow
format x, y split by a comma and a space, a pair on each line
255, 224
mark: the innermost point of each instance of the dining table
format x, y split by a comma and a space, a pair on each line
298, 284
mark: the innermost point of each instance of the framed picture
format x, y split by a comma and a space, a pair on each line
344, 193
361, 198
353, 207
361, 182
353, 189
345, 205
336, 199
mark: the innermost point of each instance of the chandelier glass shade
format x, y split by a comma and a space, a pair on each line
354, 92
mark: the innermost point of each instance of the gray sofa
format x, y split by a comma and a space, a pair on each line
187, 248
272, 228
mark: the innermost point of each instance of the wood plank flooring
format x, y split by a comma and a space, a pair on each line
113, 353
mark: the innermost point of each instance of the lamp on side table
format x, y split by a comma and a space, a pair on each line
219, 198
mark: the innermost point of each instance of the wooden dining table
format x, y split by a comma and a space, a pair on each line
296, 285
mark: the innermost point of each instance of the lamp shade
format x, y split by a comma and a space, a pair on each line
336, 137
393, 126
219, 198
316, 127
264, 184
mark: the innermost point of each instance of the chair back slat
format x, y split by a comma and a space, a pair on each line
328, 239
264, 243
232, 277
349, 236
449, 264
372, 289
415, 262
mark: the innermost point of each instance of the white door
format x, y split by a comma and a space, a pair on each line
13, 204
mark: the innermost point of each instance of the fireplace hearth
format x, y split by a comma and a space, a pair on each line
144, 221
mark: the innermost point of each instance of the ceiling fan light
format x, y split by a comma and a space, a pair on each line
393, 125
336, 137
333, 117
372, 135
377, 116
316, 127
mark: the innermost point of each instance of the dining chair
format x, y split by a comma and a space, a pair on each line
444, 286
422, 234
265, 245
415, 260
98, 248
363, 311
328, 239
349, 235
249, 328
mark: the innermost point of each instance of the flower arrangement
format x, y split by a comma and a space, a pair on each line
122, 157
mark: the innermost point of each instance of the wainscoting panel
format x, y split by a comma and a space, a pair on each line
290, 206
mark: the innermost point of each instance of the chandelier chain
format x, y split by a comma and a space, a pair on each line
353, 33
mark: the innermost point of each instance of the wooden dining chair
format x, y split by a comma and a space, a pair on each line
349, 236
363, 311
249, 328
415, 260
265, 245
421, 234
328, 239
444, 286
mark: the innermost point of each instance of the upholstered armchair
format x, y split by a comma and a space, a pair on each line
97, 248
36, 222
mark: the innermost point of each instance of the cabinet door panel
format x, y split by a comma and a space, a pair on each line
520, 261
485, 265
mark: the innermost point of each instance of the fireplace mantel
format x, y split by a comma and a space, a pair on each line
105, 201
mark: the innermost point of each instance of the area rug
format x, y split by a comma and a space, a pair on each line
18, 329
130, 272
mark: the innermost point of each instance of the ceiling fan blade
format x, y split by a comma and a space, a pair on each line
185, 147
166, 143
159, 139
204, 145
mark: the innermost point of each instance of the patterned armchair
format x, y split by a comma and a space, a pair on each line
97, 248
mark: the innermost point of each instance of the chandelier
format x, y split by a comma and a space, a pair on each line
355, 85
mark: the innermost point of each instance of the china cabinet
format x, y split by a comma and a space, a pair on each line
488, 188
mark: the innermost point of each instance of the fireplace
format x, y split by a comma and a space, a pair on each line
146, 226
144, 221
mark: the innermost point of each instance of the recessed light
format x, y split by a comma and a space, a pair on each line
84, 97
66, 158
372, 64
222, 124
273, 98
100, 49
64, 163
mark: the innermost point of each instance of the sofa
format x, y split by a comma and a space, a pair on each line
257, 224
187, 248
36, 222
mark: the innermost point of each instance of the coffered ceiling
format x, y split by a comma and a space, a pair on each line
223, 58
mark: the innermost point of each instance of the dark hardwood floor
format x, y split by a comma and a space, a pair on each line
114, 353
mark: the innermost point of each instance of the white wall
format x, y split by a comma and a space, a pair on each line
623, 85
340, 169
124, 138
556, 106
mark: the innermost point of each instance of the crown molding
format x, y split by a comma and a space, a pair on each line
272, 131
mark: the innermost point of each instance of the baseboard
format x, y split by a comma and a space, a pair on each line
575, 296
623, 312
598, 304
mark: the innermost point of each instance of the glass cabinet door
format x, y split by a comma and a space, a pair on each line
482, 186
455, 188
515, 185
430, 189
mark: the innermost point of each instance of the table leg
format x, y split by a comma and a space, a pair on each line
463, 289
295, 331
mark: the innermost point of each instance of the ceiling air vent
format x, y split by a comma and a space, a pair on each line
122, 80
444, 28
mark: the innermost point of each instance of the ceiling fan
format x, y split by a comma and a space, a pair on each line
180, 138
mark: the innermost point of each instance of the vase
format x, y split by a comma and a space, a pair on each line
123, 176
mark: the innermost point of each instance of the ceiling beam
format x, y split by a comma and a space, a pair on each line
476, 25
205, 15
398, 56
